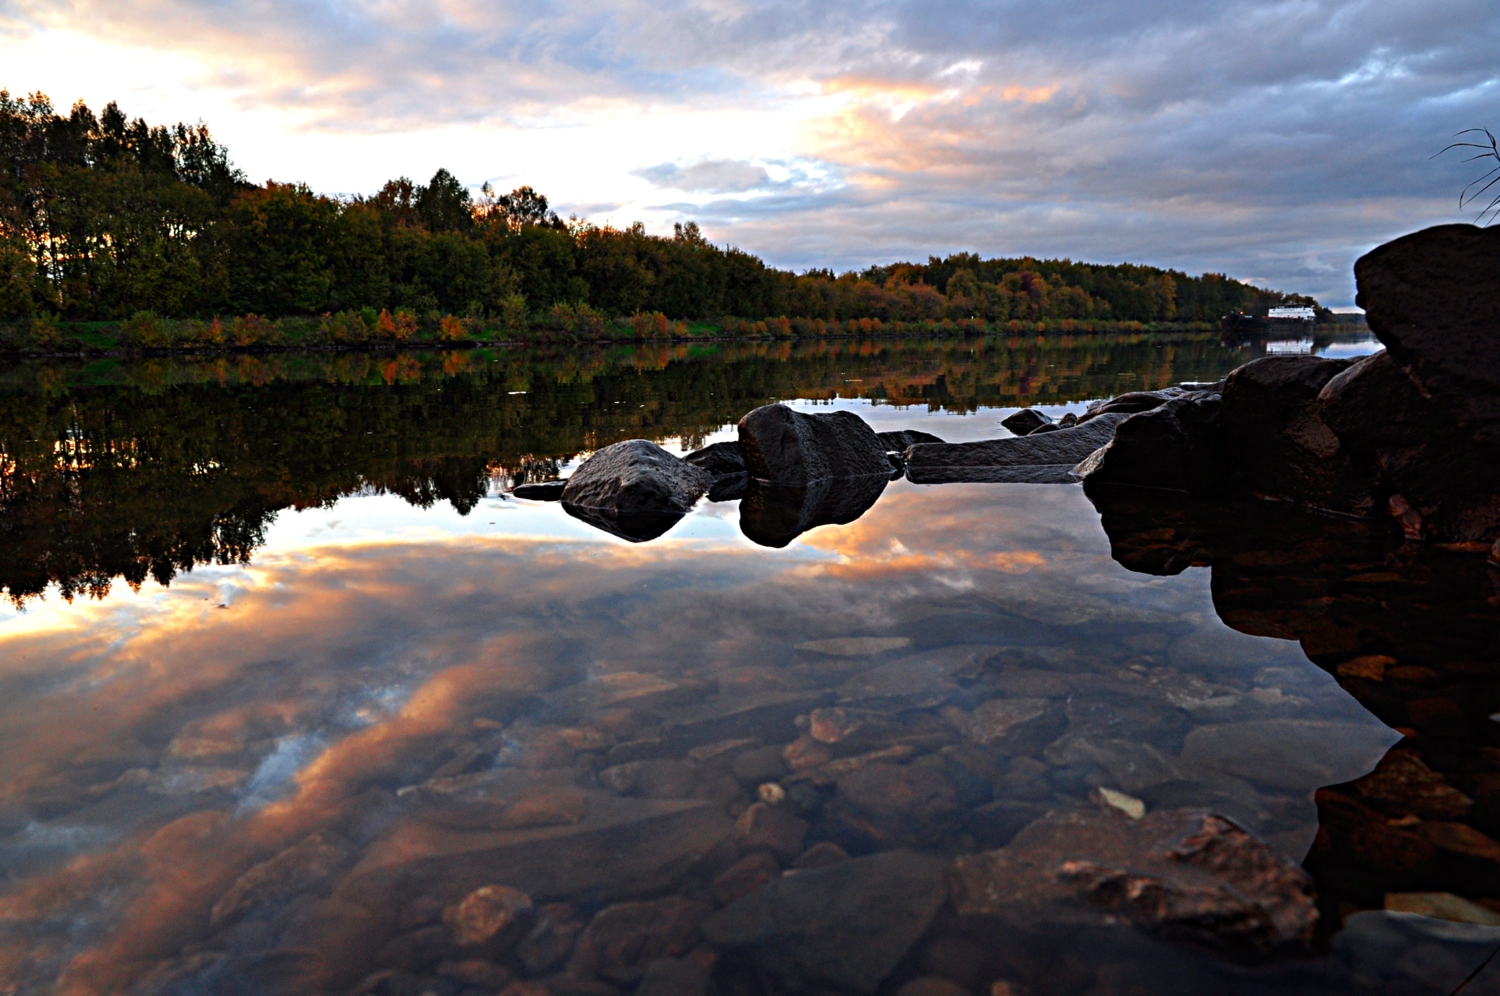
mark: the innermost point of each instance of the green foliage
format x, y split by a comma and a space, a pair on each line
146, 331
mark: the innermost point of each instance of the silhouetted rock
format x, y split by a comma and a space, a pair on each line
1177, 446
898, 441
847, 925
776, 514
541, 490
1042, 458
1131, 402
1272, 426
719, 459
1026, 421
783, 446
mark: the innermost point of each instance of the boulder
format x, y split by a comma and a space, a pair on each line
1430, 298
1026, 421
1407, 444
1040, 458
1132, 402
898, 441
1177, 446
783, 446
847, 925
541, 490
623, 940
775, 514
719, 459
1271, 423
1185, 873
634, 489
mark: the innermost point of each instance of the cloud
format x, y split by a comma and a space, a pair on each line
714, 176
1272, 139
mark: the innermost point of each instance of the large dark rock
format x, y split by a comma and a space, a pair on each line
1176, 447
1188, 874
1432, 298
1132, 402
775, 514
1026, 421
634, 489
1272, 426
1043, 458
898, 441
718, 459
847, 925
783, 446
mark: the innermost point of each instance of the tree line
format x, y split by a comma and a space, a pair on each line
103, 217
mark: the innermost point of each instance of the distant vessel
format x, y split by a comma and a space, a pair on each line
1278, 320
1284, 318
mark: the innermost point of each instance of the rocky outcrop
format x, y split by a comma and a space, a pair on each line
1176, 446
634, 489
783, 446
1042, 458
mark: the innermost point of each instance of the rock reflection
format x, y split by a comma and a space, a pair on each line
775, 514
1409, 631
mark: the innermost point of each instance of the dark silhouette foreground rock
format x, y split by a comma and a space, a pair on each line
1413, 432
783, 446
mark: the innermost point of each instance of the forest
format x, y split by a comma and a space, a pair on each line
104, 218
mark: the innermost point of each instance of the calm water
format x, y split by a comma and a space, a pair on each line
285, 674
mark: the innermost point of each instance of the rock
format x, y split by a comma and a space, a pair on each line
489, 917
783, 446
911, 789
1132, 402
855, 646
755, 767
1049, 427
821, 855
1403, 783
674, 977
660, 778
541, 490
996, 823
1409, 953
475, 974
920, 680
847, 925
1429, 297
1271, 423
1026, 421
935, 463
623, 940
634, 489
294, 870
775, 514
931, 985
555, 930
1184, 873
1297, 754
719, 459
1068, 420
1017, 726
743, 877
625, 846
1177, 446
772, 828
898, 441
1441, 906
1127, 804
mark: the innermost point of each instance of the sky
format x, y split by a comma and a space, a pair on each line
1272, 140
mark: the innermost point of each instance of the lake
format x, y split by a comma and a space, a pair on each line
295, 696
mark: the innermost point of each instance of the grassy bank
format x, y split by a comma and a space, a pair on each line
150, 334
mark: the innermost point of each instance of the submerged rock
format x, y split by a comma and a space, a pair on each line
541, 490
783, 446
1185, 873
846, 925
634, 489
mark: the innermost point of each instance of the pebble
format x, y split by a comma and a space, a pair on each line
487, 915
1127, 804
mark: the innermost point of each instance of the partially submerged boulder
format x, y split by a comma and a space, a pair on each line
1026, 421
1175, 447
783, 446
1046, 458
634, 489
719, 459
